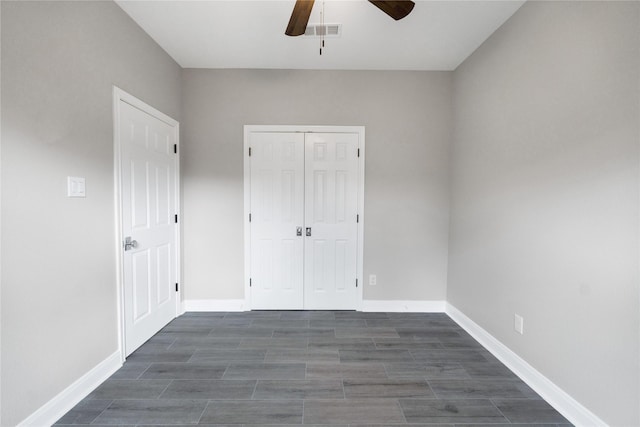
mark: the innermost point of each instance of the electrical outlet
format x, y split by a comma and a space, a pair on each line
518, 324
372, 280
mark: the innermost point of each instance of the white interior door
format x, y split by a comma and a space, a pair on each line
304, 198
331, 229
148, 205
277, 215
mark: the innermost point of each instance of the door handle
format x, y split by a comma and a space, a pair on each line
298, 231
308, 231
129, 244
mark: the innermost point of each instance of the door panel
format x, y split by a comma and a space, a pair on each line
331, 187
148, 201
277, 201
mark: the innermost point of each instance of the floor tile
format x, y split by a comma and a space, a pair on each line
366, 333
303, 333
360, 315
342, 343
276, 343
152, 412
352, 410
302, 355
481, 389
214, 355
405, 344
451, 411
375, 356
280, 323
307, 315
284, 368
206, 342
209, 389
529, 411
384, 388
448, 355
254, 314
253, 412
427, 333
242, 332
266, 371
84, 412
209, 322
427, 370
173, 328
338, 323
488, 370
130, 370
154, 347
184, 371
299, 389
345, 370
129, 389
178, 355
459, 343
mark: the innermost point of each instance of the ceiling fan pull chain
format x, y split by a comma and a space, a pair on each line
323, 28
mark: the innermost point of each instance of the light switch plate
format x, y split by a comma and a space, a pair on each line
75, 186
518, 324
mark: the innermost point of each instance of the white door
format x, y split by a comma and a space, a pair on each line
277, 218
148, 182
331, 229
303, 220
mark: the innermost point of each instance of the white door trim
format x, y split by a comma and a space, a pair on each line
120, 96
248, 129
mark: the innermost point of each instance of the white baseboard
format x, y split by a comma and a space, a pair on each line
554, 395
399, 306
51, 411
214, 305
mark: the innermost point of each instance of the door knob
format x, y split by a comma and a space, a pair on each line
308, 231
129, 244
298, 231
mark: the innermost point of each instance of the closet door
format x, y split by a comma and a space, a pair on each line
277, 211
331, 229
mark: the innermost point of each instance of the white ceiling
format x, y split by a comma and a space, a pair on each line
437, 35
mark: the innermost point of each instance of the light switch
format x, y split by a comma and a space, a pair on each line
75, 186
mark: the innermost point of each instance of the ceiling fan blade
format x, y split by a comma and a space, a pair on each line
397, 9
299, 18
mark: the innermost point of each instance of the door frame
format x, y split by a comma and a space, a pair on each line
120, 96
248, 130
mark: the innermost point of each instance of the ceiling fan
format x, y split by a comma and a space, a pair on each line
397, 9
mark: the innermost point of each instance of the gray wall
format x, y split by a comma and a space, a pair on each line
59, 62
545, 196
407, 118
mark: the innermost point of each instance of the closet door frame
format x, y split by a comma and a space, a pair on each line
248, 131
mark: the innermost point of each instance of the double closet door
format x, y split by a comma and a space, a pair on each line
304, 220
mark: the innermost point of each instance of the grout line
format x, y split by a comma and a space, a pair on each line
203, 411
254, 390
102, 412
165, 389
499, 411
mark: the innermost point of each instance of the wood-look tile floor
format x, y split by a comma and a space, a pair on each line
317, 368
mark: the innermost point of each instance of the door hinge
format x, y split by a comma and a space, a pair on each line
356, 283
176, 287
358, 218
175, 218
358, 152
249, 151
249, 282
175, 148
249, 217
